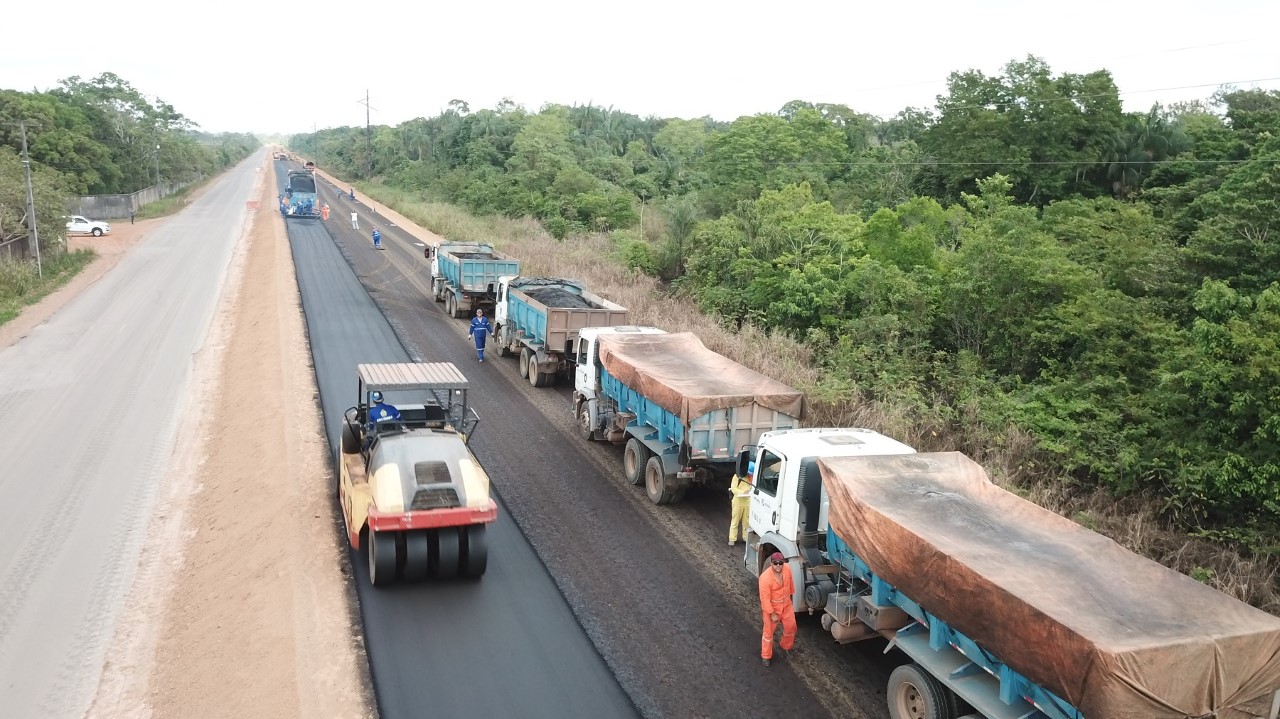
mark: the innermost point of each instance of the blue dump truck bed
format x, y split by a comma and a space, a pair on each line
1063, 617
692, 397
474, 268
548, 313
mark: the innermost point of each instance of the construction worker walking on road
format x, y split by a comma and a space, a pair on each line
740, 490
324, 212
480, 331
377, 239
776, 590
355, 220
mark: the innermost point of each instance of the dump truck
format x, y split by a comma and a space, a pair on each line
538, 319
682, 411
1005, 609
464, 276
412, 494
299, 198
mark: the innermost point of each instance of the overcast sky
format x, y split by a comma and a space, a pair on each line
241, 65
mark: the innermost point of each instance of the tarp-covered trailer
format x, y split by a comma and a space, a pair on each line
683, 410
1024, 613
539, 318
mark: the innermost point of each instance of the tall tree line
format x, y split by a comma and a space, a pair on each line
1025, 254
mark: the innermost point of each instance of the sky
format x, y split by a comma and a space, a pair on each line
237, 65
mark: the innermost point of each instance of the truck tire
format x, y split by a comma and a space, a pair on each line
585, 426
382, 558
536, 378
350, 438
475, 552
526, 358
634, 457
458, 312
916, 694
449, 302
660, 488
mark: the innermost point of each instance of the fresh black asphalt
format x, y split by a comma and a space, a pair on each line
504, 646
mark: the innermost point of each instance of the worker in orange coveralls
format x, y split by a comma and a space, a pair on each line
776, 589
324, 212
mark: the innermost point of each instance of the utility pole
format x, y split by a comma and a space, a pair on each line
33, 234
157, 167
368, 136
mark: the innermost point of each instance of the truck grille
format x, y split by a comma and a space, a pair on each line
436, 498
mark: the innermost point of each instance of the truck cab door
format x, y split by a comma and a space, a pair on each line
584, 373
766, 500
500, 305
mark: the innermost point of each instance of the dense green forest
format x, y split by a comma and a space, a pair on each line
95, 137
1025, 254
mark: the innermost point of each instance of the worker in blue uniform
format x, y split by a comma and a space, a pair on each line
377, 239
480, 331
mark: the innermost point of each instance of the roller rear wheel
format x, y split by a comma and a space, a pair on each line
417, 555
446, 555
382, 558
475, 551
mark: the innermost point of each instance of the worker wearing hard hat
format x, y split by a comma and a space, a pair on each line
776, 590
740, 490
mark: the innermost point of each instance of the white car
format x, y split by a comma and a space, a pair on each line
78, 225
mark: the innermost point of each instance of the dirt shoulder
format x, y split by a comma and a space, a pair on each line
241, 606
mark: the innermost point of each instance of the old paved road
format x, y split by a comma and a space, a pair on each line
506, 645
90, 403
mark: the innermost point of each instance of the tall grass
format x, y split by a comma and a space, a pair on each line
1008, 454
21, 285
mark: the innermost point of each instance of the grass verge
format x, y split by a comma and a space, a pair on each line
20, 285
172, 203
1009, 456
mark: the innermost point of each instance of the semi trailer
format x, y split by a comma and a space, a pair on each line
464, 276
681, 410
1005, 609
539, 318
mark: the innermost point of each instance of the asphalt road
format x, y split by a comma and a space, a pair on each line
90, 403
505, 645
669, 606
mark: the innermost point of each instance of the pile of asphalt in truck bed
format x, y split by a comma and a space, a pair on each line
472, 255
556, 297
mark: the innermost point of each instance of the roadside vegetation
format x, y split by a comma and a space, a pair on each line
22, 285
1082, 299
90, 137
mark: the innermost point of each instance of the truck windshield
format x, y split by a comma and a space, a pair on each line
768, 469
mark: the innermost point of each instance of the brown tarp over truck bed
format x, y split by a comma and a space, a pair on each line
1117, 635
682, 376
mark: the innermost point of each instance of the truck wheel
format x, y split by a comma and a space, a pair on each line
458, 312
439, 295
526, 356
585, 427
350, 438
504, 350
915, 694
536, 378
633, 459
659, 487
382, 558
447, 545
475, 552
448, 304
417, 555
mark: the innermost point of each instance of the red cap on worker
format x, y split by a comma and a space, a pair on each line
777, 557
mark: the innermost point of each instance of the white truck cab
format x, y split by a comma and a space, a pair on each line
586, 379
789, 504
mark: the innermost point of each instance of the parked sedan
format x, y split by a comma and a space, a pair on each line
78, 225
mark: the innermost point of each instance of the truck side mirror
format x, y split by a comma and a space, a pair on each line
744, 458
